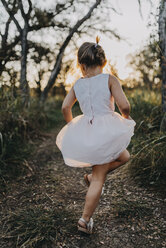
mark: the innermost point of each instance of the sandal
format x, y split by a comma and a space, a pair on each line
88, 183
86, 180
88, 228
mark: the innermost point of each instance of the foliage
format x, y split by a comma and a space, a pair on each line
146, 66
145, 109
18, 126
148, 163
50, 30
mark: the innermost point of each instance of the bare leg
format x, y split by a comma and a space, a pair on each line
99, 173
123, 158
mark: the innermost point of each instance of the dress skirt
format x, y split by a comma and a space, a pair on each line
84, 144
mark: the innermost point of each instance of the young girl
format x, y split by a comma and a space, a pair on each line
99, 137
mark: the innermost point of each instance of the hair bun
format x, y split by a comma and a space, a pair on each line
97, 39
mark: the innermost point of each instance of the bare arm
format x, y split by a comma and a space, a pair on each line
67, 104
119, 96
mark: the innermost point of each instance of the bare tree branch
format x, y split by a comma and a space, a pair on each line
11, 15
5, 35
46, 25
58, 63
22, 10
30, 8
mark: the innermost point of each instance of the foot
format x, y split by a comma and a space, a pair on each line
87, 179
85, 226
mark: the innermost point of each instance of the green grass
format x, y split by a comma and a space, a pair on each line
148, 162
19, 127
148, 145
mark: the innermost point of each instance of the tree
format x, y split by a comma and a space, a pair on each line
7, 48
162, 38
146, 67
34, 19
23, 32
57, 66
58, 19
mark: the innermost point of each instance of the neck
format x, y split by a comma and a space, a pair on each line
90, 72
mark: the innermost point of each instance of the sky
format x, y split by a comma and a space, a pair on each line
133, 28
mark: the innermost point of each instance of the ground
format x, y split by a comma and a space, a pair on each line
42, 209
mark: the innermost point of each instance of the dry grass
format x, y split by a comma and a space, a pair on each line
148, 162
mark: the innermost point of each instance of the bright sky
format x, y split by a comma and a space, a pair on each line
131, 26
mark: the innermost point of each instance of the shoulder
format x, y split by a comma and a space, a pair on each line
110, 77
113, 81
76, 83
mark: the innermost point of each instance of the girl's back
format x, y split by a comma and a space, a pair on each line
94, 96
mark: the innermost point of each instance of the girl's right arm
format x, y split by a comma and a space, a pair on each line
67, 104
119, 96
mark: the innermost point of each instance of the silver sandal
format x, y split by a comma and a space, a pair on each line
88, 228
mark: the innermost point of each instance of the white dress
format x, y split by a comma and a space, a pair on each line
98, 135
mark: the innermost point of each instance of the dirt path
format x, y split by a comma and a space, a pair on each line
128, 216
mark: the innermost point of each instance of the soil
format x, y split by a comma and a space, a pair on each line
128, 216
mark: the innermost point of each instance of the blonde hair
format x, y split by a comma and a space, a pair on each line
91, 54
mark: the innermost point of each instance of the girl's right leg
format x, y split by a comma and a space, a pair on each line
122, 159
99, 173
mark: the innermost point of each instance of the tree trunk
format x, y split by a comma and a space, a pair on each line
23, 81
162, 38
58, 63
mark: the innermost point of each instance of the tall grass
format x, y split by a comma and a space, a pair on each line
148, 162
18, 126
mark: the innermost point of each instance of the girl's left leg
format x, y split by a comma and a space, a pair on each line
99, 173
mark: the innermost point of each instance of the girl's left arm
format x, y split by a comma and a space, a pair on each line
67, 104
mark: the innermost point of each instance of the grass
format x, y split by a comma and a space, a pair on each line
149, 162
148, 145
19, 126
35, 226
32, 216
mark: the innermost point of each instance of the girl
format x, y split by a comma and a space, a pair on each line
99, 137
